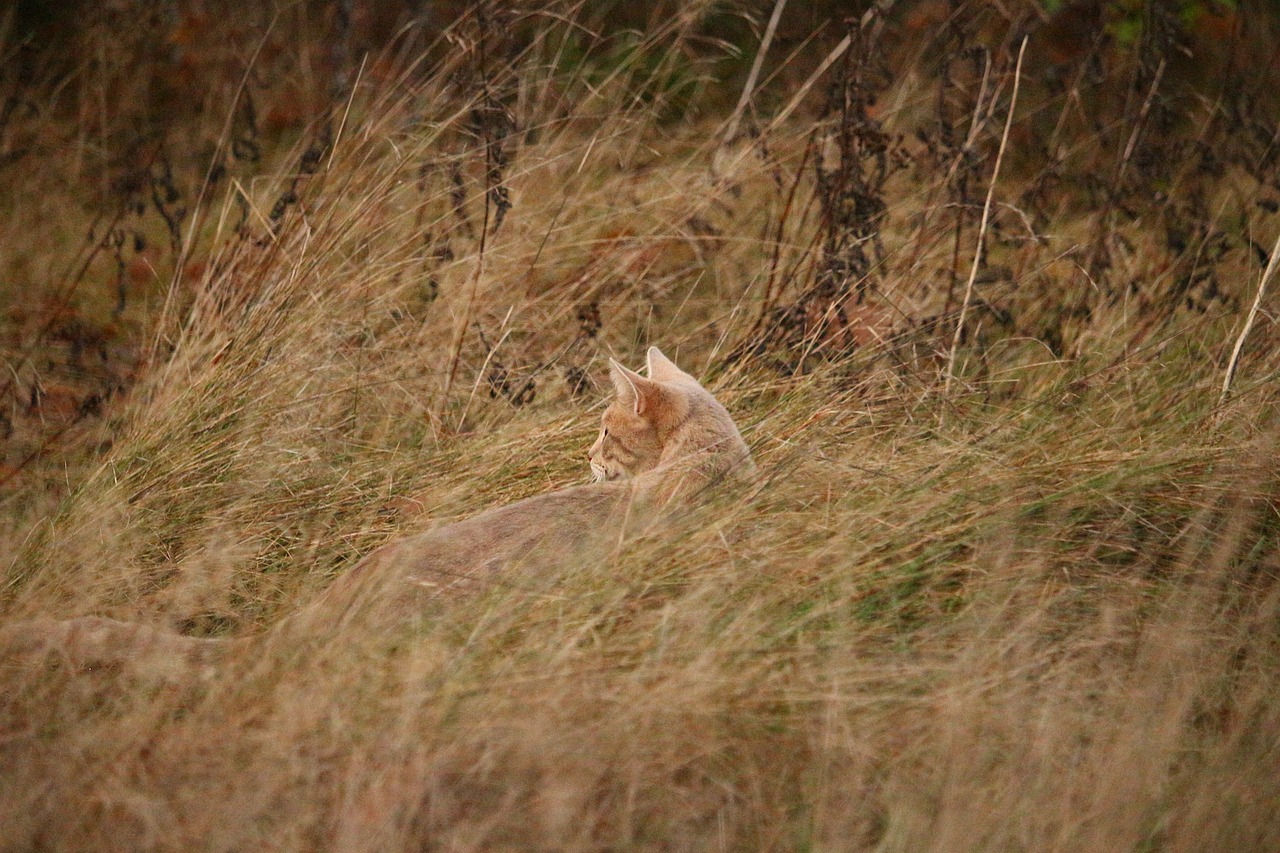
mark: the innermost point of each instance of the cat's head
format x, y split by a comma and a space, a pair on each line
658, 420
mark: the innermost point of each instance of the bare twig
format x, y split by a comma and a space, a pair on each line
455, 349
351, 96
986, 215
732, 129
1248, 323
1138, 125
1100, 240
958, 182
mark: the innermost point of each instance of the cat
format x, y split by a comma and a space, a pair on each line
663, 441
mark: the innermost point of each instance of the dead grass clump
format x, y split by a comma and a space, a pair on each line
1034, 610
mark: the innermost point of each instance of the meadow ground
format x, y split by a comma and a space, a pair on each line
1007, 588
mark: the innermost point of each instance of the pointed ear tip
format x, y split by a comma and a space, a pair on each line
622, 375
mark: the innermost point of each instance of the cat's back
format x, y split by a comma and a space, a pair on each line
525, 538
664, 440
565, 516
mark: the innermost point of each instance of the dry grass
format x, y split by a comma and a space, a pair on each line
1036, 612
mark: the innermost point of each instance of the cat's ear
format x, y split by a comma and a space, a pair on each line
634, 391
661, 368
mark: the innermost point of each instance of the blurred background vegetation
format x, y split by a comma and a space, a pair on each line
282, 281
121, 122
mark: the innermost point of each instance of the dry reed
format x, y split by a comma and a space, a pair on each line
1037, 612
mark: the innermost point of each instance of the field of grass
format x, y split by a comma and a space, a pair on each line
1012, 588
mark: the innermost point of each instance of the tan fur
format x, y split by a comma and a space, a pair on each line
664, 439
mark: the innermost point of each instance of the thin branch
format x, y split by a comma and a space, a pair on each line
986, 215
351, 96
749, 88
455, 350
1248, 323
